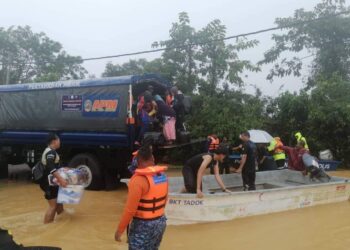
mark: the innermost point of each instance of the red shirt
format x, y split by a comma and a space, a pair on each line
295, 157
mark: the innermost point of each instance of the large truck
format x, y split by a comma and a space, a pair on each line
94, 119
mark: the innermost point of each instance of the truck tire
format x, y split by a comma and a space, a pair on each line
93, 164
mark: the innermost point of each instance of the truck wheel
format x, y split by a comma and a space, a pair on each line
93, 164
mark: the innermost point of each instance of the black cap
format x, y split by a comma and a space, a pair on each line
221, 150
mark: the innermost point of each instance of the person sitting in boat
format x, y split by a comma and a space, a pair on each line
295, 156
194, 170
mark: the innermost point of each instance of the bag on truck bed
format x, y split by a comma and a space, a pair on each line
38, 172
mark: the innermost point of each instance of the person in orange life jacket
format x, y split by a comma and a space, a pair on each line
278, 154
147, 197
194, 170
213, 142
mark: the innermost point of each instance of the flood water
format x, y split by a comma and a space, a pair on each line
92, 223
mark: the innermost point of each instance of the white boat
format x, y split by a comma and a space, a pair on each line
276, 191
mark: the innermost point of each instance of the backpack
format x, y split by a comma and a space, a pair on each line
38, 172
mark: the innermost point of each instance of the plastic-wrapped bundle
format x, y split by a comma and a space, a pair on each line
74, 176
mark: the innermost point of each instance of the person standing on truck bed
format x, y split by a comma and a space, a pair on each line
194, 170
145, 107
168, 117
178, 106
145, 205
51, 162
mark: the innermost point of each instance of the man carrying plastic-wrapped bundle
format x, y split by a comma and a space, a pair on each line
51, 162
145, 206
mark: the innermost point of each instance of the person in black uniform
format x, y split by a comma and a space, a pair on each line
224, 167
51, 161
195, 167
248, 162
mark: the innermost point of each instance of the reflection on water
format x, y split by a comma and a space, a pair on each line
91, 225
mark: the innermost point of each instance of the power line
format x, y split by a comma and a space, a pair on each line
216, 40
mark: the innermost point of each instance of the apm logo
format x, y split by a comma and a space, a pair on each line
101, 105
105, 106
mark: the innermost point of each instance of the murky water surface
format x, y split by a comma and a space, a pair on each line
91, 225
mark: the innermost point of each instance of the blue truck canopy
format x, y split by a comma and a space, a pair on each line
89, 111
153, 79
95, 105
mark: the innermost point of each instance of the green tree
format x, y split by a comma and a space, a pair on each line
219, 63
226, 113
136, 67
179, 54
327, 39
26, 56
287, 114
329, 118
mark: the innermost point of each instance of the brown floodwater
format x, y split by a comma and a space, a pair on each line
91, 224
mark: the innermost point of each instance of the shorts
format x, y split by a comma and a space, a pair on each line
50, 192
146, 234
190, 179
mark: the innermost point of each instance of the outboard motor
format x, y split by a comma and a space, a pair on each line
314, 169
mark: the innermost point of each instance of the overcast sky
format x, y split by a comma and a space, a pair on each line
106, 27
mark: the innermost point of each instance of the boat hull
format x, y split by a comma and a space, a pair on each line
283, 191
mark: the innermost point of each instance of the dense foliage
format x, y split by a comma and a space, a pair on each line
26, 56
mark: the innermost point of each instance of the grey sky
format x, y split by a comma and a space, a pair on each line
106, 27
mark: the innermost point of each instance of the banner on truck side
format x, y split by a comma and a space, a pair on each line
72, 103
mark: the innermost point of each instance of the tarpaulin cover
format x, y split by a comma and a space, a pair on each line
76, 108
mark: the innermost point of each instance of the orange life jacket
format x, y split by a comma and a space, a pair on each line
152, 204
279, 144
214, 143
